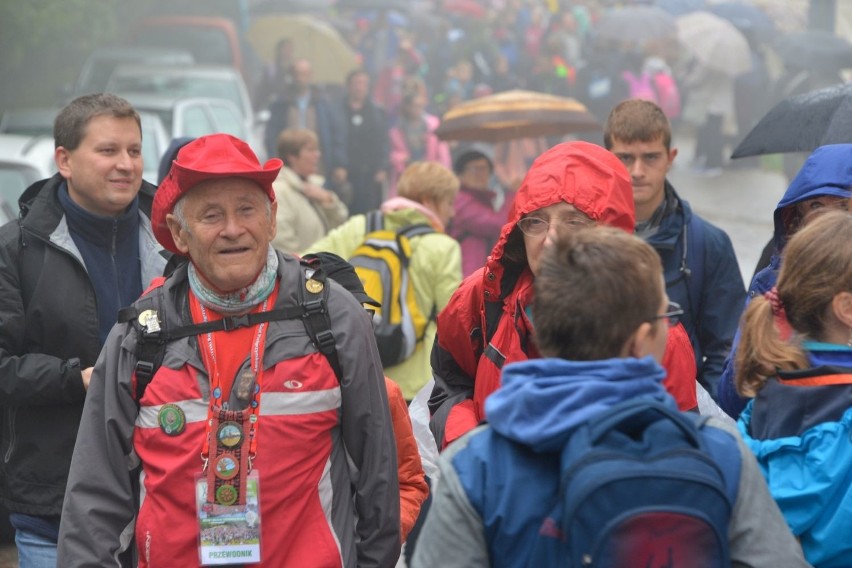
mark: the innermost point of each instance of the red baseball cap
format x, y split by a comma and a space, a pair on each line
209, 157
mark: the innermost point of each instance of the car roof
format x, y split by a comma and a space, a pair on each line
196, 69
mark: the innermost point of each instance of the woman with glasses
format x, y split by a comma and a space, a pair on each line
488, 321
795, 359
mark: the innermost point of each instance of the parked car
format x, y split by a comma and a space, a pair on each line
29, 121
193, 117
102, 61
191, 81
24, 160
210, 40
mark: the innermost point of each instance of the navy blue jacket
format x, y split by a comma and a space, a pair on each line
706, 282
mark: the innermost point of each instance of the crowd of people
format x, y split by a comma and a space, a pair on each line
253, 337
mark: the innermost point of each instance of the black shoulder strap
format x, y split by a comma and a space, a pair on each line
153, 339
313, 305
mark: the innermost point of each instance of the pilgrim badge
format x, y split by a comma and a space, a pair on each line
230, 435
149, 320
172, 420
226, 466
226, 495
313, 286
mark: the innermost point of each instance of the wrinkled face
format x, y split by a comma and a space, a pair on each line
227, 231
476, 174
543, 226
648, 164
305, 163
104, 173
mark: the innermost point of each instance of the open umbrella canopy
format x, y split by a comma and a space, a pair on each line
330, 56
515, 114
815, 50
715, 42
802, 123
635, 25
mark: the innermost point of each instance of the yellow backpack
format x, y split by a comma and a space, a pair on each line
381, 262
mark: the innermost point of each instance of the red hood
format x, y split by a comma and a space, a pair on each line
585, 175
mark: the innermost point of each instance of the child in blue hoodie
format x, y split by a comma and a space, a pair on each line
601, 317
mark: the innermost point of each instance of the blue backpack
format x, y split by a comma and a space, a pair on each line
643, 486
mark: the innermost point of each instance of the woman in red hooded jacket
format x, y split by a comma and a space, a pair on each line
487, 321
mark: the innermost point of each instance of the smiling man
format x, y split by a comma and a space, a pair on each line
81, 249
700, 267
248, 445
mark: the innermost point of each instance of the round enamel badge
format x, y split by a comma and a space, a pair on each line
226, 495
230, 435
172, 420
226, 467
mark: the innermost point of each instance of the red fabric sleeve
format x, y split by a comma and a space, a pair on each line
679, 362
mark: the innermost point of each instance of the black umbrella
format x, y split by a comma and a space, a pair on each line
815, 50
802, 123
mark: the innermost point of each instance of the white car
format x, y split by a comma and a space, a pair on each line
190, 81
24, 160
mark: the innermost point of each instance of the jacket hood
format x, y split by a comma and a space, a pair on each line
827, 171
587, 176
542, 401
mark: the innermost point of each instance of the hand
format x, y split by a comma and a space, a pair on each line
87, 376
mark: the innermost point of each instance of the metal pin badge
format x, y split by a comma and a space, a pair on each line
149, 320
313, 286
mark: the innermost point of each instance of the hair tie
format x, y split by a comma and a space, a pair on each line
775, 302
785, 331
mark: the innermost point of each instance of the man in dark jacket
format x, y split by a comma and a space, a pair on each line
81, 250
367, 144
305, 106
701, 270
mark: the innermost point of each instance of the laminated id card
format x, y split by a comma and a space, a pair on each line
228, 534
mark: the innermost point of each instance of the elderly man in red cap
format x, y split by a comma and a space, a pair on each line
238, 415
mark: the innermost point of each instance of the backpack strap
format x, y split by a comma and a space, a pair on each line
375, 221
153, 338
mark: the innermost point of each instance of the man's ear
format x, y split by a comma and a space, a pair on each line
178, 233
62, 157
273, 213
641, 342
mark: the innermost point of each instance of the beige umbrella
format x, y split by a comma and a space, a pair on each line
515, 114
715, 42
330, 56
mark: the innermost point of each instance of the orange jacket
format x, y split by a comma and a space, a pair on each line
413, 489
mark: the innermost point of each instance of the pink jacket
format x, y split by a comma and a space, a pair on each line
476, 226
400, 157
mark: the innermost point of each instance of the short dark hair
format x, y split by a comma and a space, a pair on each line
637, 120
595, 287
69, 127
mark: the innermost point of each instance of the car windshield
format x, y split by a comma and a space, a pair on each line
13, 182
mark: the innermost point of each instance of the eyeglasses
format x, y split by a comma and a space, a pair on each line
672, 315
536, 226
